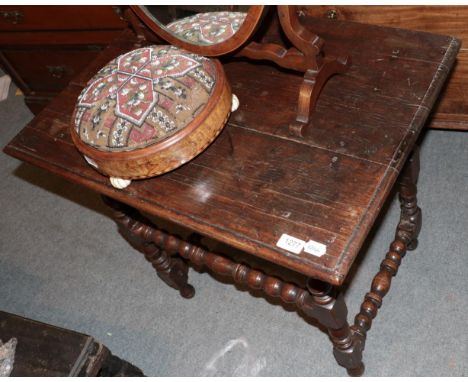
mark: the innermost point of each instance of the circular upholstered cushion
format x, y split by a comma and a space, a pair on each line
208, 28
150, 110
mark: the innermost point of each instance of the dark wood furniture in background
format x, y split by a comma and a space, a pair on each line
43, 47
256, 181
45, 350
451, 111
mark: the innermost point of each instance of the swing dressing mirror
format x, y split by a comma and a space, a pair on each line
209, 30
219, 30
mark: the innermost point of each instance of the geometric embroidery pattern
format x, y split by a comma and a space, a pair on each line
143, 97
208, 28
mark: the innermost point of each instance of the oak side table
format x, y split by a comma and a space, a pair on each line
260, 190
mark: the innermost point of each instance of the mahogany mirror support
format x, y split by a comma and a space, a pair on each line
305, 56
312, 85
131, 18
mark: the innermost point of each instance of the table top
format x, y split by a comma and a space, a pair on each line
256, 182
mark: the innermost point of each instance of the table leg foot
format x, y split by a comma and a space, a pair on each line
328, 306
187, 291
413, 245
356, 372
173, 271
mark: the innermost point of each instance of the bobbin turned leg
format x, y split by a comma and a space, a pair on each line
172, 270
405, 239
329, 308
319, 300
411, 216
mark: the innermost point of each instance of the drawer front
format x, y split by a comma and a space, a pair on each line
49, 17
448, 20
48, 70
451, 111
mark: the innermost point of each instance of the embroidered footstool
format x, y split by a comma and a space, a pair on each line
208, 28
150, 111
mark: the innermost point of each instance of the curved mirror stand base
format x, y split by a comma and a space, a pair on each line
305, 56
312, 85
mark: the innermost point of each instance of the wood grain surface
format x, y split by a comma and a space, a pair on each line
44, 350
256, 182
58, 17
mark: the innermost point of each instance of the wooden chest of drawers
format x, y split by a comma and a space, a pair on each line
43, 47
451, 111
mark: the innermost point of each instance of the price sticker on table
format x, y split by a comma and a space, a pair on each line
290, 243
315, 248
295, 245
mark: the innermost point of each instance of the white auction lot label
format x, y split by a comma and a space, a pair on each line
315, 248
290, 243
295, 245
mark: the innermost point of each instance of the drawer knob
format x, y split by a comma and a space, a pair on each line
332, 14
300, 12
12, 17
56, 71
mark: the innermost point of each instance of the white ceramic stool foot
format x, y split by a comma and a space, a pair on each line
119, 182
235, 103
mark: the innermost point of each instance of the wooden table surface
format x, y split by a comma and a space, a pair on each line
256, 182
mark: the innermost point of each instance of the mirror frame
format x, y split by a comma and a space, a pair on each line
246, 30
